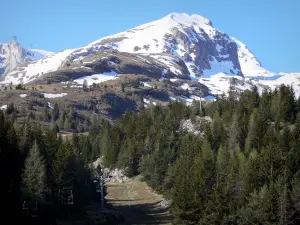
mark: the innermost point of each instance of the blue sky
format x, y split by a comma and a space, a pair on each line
270, 28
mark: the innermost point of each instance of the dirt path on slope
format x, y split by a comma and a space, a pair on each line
137, 203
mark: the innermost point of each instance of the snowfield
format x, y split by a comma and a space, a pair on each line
249, 63
36, 69
97, 78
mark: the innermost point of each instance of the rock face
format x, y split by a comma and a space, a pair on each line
185, 46
191, 38
115, 176
13, 55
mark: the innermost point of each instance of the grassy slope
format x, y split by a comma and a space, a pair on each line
137, 203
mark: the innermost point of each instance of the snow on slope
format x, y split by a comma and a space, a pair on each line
220, 83
37, 68
4, 107
206, 52
97, 78
13, 55
39, 54
153, 34
54, 95
178, 34
250, 65
225, 66
291, 79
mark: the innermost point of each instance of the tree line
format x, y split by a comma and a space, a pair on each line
245, 169
38, 164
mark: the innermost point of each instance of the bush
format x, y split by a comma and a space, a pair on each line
20, 87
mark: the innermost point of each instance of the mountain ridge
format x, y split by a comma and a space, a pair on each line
13, 54
177, 45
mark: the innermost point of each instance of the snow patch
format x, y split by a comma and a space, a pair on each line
146, 84
52, 95
97, 78
23, 95
4, 107
185, 86
49, 105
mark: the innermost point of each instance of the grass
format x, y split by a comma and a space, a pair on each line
137, 203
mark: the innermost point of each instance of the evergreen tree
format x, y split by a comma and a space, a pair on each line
185, 206
34, 174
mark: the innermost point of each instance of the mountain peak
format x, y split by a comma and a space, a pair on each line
14, 43
186, 19
13, 54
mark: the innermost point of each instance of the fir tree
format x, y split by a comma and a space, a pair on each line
34, 174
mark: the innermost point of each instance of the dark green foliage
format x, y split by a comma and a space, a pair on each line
34, 175
35, 163
20, 87
242, 171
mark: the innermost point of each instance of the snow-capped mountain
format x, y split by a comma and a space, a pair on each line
176, 46
13, 55
204, 49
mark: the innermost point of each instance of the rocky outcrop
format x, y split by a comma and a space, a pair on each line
13, 55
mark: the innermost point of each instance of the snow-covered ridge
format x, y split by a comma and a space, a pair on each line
250, 65
40, 54
37, 68
13, 55
186, 45
187, 37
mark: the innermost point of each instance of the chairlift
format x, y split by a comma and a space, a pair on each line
98, 188
34, 211
70, 198
59, 196
25, 208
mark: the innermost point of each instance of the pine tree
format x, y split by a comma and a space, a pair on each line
61, 164
55, 112
185, 206
257, 211
85, 85
34, 174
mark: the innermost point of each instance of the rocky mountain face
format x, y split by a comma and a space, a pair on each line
13, 55
186, 50
203, 48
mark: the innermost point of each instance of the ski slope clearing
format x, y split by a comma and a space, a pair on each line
137, 203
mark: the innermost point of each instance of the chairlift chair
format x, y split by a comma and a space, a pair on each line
25, 208
70, 198
98, 188
59, 196
34, 211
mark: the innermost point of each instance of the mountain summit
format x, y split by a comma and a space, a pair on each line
13, 55
177, 46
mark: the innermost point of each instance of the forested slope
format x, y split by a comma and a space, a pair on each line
243, 169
